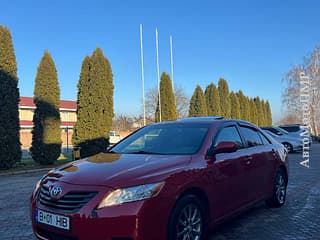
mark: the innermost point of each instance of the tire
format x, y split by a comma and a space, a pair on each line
279, 190
187, 220
288, 146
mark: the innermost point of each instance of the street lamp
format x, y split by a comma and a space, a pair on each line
66, 130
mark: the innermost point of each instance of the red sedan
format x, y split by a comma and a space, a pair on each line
171, 180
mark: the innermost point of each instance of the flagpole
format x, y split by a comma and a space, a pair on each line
142, 78
158, 68
171, 61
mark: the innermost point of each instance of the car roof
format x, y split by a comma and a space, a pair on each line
292, 125
208, 120
200, 119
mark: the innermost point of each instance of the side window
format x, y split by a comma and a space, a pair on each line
265, 140
252, 136
229, 134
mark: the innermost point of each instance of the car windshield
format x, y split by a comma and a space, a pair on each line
270, 133
282, 130
171, 139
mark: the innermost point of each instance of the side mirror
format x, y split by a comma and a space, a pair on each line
226, 147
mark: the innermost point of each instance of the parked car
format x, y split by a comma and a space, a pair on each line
114, 137
292, 144
281, 132
299, 130
278, 131
170, 180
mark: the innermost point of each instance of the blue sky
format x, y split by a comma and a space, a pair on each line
252, 44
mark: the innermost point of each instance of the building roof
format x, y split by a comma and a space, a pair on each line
27, 102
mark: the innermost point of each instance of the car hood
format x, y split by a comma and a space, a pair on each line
119, 170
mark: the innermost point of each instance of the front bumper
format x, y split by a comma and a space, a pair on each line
130, 221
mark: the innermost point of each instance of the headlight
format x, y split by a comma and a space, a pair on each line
131, 194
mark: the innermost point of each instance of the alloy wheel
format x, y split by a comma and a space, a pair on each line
281, 189
189, 225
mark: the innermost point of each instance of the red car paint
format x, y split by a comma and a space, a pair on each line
230, 182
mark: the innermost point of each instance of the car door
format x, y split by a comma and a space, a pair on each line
258, 167
226, 174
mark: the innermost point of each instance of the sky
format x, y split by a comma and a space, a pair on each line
252, 44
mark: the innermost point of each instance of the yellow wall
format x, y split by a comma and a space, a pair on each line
26, 114
68, 116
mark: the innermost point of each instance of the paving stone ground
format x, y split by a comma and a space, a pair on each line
298, 219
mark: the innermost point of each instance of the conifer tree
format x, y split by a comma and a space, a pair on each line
244, 106
253, 112
95, 104
259, 111
212, 100
46, 133
167, 100
10, 150
82, 127
235, 106
225, 105
268, 113
197, 106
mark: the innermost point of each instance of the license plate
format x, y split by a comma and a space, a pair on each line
51, 219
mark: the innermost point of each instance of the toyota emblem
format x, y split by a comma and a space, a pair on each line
55, 192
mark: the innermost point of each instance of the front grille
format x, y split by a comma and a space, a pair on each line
71, 202
53, 236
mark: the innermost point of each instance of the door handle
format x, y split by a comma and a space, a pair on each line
248, 160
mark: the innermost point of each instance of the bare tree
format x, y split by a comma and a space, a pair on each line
122, 123
291, 97
182, 101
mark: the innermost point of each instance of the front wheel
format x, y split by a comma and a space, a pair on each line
279, 190
187, 220
288, 146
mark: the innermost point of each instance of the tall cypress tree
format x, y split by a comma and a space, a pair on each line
253, 112
244, 106
235, 106
225, 104
167, 100
82, 127
268, 113
264, 113
95, 104
259, 111
10, 150
212, 100
46, 133
197, 106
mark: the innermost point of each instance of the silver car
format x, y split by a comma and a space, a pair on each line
298, 130
292, 144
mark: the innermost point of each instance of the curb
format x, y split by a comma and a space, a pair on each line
25, 171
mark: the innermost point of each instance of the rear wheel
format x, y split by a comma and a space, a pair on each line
187, 220
279, 190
